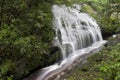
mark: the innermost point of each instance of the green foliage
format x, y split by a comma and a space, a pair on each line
5, 68
107, 15
67, 2
88, 9
25, 37
111, 67
102, 66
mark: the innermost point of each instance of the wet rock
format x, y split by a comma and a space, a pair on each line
113, 40
53, 50
69, 68
98, 60
62, 73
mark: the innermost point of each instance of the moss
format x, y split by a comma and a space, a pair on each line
88, 9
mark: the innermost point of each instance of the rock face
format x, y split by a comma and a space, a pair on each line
113, 40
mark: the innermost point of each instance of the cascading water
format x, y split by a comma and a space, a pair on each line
74, 29
76, 34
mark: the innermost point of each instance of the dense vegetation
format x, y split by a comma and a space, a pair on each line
25, 36
107, 14
104, 65
26, 32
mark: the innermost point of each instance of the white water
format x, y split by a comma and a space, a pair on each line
74, 29
76, 34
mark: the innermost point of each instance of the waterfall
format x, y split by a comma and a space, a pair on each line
74, 29
77, 34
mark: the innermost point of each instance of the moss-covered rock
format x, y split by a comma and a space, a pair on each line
88, 9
